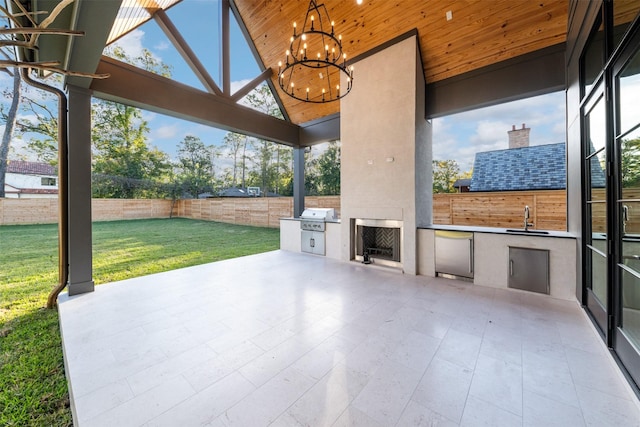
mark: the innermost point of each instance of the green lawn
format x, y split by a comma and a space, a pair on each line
33, 389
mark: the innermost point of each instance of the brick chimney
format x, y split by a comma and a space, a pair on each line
519, 138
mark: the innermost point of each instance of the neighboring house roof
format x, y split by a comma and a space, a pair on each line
464, 182
242, 192
30, 168
234, 192
597, 173
537, 167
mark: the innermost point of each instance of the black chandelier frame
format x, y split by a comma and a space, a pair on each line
333, 59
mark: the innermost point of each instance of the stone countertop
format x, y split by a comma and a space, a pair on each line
496, 230
333, 221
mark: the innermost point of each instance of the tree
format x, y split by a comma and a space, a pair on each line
10, 123
329, 170
265, 171
263, 174
120, 151
195, 164
445, 173
311, 174
630, 163
283, 183
41, 105
237, 145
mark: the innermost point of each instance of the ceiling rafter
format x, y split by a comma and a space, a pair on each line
24, 34
172, 33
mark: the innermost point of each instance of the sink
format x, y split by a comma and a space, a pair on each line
523, 231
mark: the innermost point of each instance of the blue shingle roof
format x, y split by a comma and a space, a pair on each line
538, 167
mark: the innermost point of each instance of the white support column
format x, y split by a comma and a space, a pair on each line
80, 241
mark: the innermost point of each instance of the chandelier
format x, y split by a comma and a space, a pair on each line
315, 60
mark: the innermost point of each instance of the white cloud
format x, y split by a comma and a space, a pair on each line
132, 43
460, 136
165, 132
163, 45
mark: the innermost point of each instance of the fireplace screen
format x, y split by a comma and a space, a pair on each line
378, 242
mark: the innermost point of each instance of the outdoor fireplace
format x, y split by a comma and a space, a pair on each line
378, 241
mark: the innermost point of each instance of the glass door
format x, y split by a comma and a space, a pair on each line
626, 339
597, 246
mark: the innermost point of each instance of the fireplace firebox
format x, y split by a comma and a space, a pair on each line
378, 241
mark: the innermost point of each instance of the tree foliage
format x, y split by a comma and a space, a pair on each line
329, 170
195, 165
445, 173
120, 150
630, 160
9, 126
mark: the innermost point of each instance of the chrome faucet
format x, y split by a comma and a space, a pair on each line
527, 215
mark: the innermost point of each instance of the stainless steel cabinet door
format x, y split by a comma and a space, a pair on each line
529, 269
312, 242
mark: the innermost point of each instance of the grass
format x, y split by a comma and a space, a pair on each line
33, 388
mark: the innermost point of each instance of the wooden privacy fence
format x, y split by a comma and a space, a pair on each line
499, 209
263, 212
502, 209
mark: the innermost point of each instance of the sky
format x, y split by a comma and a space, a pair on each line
455, 137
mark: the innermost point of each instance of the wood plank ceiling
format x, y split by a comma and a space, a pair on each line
480, 33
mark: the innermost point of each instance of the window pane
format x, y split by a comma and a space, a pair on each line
598, 215
596, 131
631, 303
630, 165
593, 60
599, 277
624, 11
628, 95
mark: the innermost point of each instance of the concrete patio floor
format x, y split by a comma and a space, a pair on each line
290, 339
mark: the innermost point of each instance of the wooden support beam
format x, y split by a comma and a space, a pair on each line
242, 92
226, 49
133, 86
185, 51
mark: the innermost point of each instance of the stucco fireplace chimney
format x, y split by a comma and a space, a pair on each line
519, 138
385, 168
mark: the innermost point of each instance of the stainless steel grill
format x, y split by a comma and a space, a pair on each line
312, 224
313, 219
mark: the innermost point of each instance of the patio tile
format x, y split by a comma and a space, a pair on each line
210, 371
318, 342
479, 412
387, 392
155, 402
416, 415
205, 406
541, 411
265, 404
325, 401
602, 409
460, 348
353, 417
444, 388
498, 382
159, 373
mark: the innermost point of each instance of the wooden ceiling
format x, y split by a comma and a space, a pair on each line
480, 33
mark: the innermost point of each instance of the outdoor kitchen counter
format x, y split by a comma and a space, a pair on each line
290, 236
494, 230
491, 255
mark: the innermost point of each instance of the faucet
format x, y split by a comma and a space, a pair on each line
527, 224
